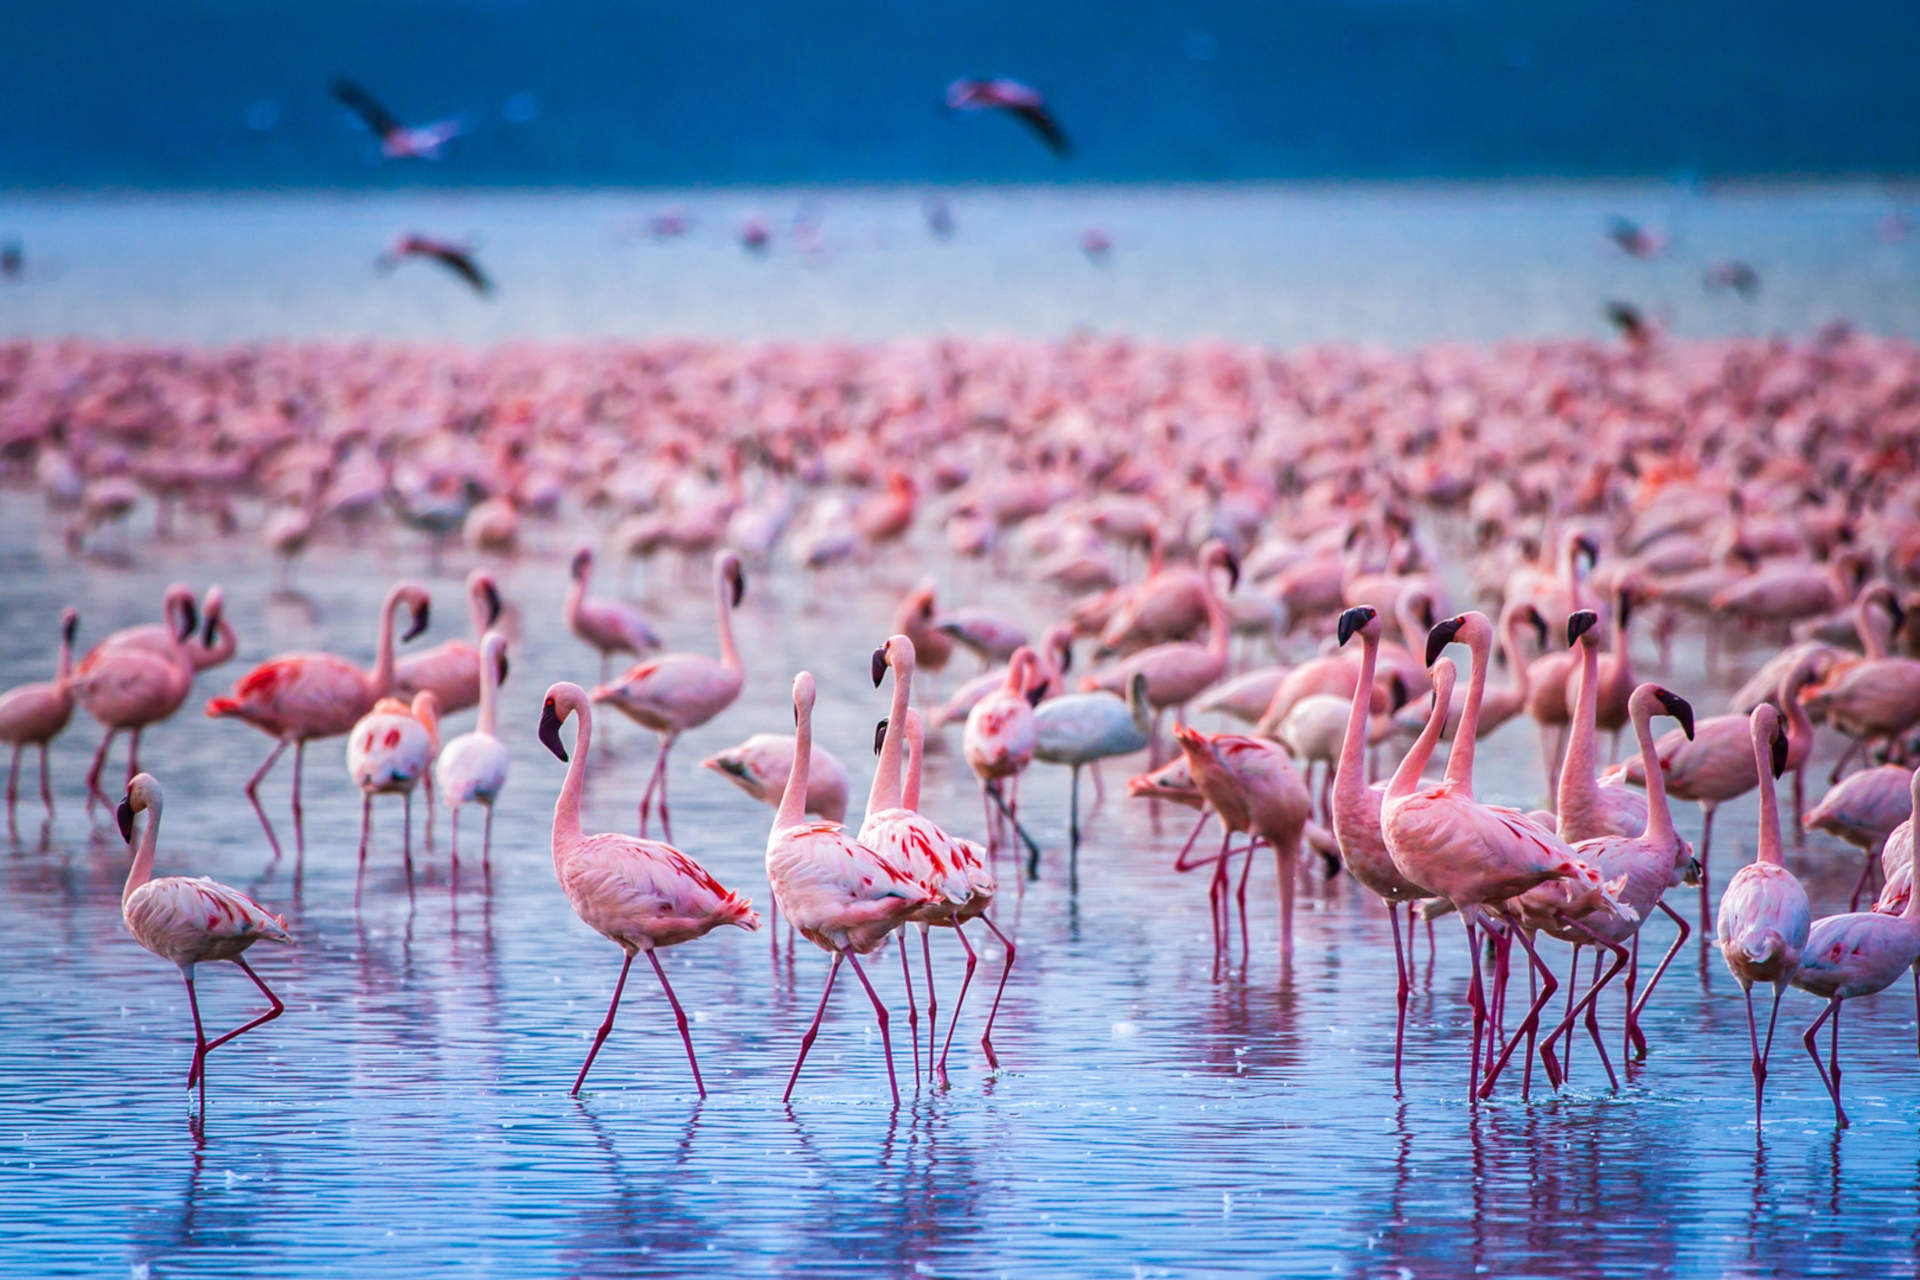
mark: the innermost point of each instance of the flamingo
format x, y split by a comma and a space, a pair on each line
1056, 660
1356, 808
987, 636
389, 751
1086, 728
1021, 101
299, 697
397, 141
607, 625
452, 669
1863, 809
680, 691
1179, 671
843, 897
957, 871
998, 743
34, 714
191, 922
135, 677
1587, 807
639, 894
1762, 927
457, 258
472, 768
759, 767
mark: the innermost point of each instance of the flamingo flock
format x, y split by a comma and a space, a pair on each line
1283, 550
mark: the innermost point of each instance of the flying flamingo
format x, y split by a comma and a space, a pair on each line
639, 894
1086, 728
998, 743
190, 922
1356, 816
843, 897
36, 713
1024, 102
389, 751
957, 871
680, 691
452, 669
607, 625
397, 141
299, 697
457, 258
1762, 929
472, 768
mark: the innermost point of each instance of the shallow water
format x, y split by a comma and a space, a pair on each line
409, 1113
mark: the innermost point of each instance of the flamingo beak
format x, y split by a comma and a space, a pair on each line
1353, 620
190, 620
879, 734
1680, 709
581, 559
71, 628
1692, 874
877, 666
739, 581
1066, 657
494, 605
1626, 608
1442, 636
1779, 752
124, 815
1036, 695
419, 622
211, 630
1539, 625
550, 730
500, 669
1578, 624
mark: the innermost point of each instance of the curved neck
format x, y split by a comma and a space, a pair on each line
1770, 851
1350, 780
1576, 771
1217, 637
793, 801
1874, 635
489, 692
224, 645
477, 611
886, 791
576, 593
1460, 762
142, 869
1799, 724
381, 679
566, 810
729, 656
916, 744
1659, 818
1407, 777
1516, 661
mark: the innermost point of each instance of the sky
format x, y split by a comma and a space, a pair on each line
232, 93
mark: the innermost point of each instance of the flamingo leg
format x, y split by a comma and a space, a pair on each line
933, 1002
679, 1020
1477, 1001
1633, 977
606, 1028
1812, 1039
1216, 902
1073, 832
986, 1036
1706, 891
973, 960
46, 784
666, 821
1587, 1005
13, 780
773, 928
1180, 862
252, 790
453, 838
299, 812
1531, 1023
1860, 885
406, 838
1799, 803
486, 844
1639, 1038
196, 1074
1240, 897
913, 1010
880, 1016
1286, 859
1403, 986
93, 774
366, 832
277, 1009
653, 780
813, 1030
1010, 814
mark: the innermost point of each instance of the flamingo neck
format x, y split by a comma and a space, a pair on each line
1872, 632
1217, 637
381, 680
1659, 818
1799, 724
566, 810
916, 744
1770, 851
886, 791
1516, 663
1350, 780
729, 656
64, 671
489, 693
576, 594
1406, 779
793, 801
1576, 771
1460, 761
142, 869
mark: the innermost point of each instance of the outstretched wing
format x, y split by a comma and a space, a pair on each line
1041, 121
461, 263
363, 104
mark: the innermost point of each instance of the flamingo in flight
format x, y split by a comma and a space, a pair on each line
191, 922
1021, 101
34, 715
455, 257
641, 895
397, 141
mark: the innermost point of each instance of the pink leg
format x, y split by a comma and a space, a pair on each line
913, 1010
679, 1020
1812, 1039
1240, 896
1633, 977
93, 774
406, 838
606, 1028
1286, 861
1588, 1002
253, 792
986, 1036
199, 1071
1639, 1038
195, 1073
773, 928
426, 783
933, 1003
366, 833
965, 982
1530, 1023
46, 784
133, 755
1477, 1001
880, 1016
453, 837
486, 844
653, 780
13, 780
666, 821
806, 1041
1706, 892
1403, 987
1180, 862
299, 812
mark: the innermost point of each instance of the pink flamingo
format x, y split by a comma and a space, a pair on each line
641, 895
1021, 101
680, 691
1356, 818
472, 768
457, 258
1864, 809
389, 751
135, 677
1179, 671
34, 714
191, 922
300, 697
843, 897
999, 742
452, 669
606, 625
1762, 928
397, 141
1252, 786
1586, 807
759, 766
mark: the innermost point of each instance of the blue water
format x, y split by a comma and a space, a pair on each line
409, 1114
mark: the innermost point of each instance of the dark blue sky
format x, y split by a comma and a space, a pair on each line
220, 93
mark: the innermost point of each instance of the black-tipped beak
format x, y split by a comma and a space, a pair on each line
1401, 695
1442, 636
500, 669
189, 620
1680, 709
1626, 608
1539, 625
1893, 607
739, 581
1584, 543
1692, 874
550, 730
494, 605
1036, 695
1579, 623
211, 630
1066, 657
419, 622
879, 734
1353, 620
1233, 572
124, 815
1779, 752
877, 666
71, 628
580, 561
